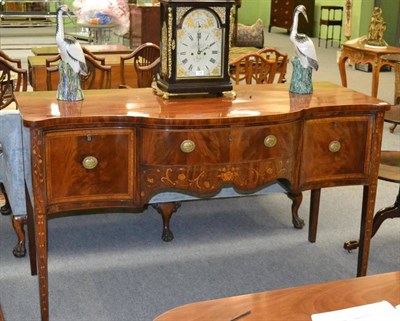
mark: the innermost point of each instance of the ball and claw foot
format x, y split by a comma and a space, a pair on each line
167, 235
298, 222
5, 209
19, 250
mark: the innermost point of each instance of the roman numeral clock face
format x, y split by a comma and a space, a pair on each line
199, 46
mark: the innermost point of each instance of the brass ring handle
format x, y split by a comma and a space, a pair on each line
334, 146
270, 141
90, 162
188, 146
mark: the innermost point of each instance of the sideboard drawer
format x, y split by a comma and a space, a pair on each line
264, 142
336, 149
90, 164
185, 147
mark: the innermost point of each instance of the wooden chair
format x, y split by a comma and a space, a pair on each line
252, 68
280, 57
98, 76
146, 59
12, 78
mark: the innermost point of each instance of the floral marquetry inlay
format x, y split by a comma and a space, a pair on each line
210, 179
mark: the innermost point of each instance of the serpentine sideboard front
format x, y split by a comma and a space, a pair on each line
120, 148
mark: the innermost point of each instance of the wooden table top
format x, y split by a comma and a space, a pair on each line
95, 49
392, 57
293, 304
40, 61
272, 101
362, 47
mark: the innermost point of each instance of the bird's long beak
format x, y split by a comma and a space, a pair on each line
305, 15
69, 16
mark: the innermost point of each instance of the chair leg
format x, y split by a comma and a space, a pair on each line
6, 208
18, 223
380, 216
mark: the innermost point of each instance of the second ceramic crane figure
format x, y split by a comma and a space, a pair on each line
72, 65
306, 59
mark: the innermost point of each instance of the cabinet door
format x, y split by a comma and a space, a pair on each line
90, 165
336, 149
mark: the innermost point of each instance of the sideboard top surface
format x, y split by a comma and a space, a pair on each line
142, 105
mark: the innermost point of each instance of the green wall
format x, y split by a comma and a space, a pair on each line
251, 10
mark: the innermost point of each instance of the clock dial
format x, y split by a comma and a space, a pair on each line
199, 46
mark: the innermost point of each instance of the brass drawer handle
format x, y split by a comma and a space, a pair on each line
188, 146
334, 146
270, 141
90, 162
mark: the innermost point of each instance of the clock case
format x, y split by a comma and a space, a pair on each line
168, 81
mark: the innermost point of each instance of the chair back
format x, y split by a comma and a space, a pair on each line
98, 74
280, 57
146, 60
252, 68
12, 78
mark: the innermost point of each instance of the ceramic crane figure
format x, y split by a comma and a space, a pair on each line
72, 64
304, 47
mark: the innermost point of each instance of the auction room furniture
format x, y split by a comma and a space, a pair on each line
37, 71
28, 12
293, 304
330, 17
12, 78
196, 146
393, 115
282, 15
12, 173
359, 53
280, 57
144, 24
98, 75
98, 34
389, 170
146, 60
252, 69
95, 49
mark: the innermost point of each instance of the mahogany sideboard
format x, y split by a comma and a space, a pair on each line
119, 148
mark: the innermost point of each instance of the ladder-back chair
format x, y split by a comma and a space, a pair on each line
281, 59
12, 78
252, 68
146, 60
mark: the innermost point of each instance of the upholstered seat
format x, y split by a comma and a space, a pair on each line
12, 171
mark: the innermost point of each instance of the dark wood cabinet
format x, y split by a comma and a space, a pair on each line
144, 25
282, 15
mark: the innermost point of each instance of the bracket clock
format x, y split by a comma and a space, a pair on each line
195, 41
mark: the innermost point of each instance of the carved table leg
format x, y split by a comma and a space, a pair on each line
314, 212
296, 201
6, 208
18, 223
380, 216
166, 210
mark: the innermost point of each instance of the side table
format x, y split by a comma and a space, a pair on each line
98, 34
359, 53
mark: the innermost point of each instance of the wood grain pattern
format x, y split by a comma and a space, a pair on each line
297, 303
263, 135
